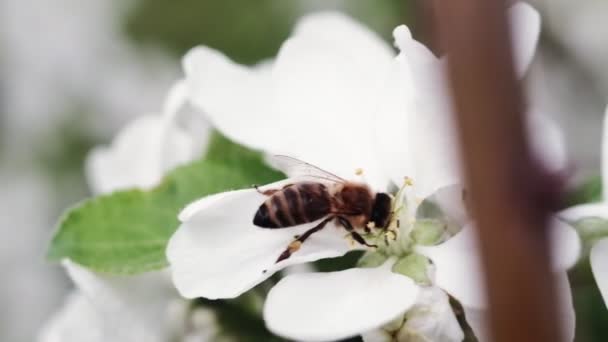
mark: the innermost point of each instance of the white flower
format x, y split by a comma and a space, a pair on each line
430, 319
336, 97
113, 308
146, 149
598, 255
140, 307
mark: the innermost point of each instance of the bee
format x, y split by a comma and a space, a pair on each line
321, 195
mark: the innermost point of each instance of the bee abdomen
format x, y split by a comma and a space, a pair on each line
297, 204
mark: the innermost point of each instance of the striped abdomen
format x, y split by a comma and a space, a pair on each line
296, 204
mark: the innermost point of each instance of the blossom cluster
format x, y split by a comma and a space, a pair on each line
352, 111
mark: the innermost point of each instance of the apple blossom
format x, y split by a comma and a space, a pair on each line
146, 148
337, 96
140, 307
598, 256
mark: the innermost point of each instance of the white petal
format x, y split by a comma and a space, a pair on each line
350, 35
567, 314
177, 97
391, 125
377, 335
76, 321
327, 91
565, 245
599, 265
457, 268
451, 200
128, 305
336, 305
525, 26
218, 252
431, 319
236, 99
184, 136
573, 214
131, 161
420, 121
477, 320
135, 157
605, 157
316, 103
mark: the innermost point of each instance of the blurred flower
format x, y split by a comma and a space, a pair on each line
337, 97
143, 307
598, 255
146, 149
113, 308
430, 319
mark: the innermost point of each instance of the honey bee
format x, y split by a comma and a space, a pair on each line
322, 195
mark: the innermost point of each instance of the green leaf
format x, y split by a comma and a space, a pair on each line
126, 232
589, 191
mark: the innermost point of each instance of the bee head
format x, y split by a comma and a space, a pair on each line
381, 211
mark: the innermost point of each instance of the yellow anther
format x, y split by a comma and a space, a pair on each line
294, 246
358, 171
351, 240
408, 181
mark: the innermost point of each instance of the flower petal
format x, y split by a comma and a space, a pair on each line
351, 36
599, 265
185, 136
415, 122
135, 158
322, 86
567, 314
131, 161
218, 252
146, 148
336, 305
129, 306
297, 107
236, 99
525, 26
565, 245
457, 268
573, 214
76, 321
477, 320
431, 319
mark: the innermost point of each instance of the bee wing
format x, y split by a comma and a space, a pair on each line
296, 168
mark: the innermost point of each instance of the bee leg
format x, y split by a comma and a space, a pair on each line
361, 240
268, 192
297, 243
346, 224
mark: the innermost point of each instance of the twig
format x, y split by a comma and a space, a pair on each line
511, 194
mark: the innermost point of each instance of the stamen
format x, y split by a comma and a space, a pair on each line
294, 246
358, 171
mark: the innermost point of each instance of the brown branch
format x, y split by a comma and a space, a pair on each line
511, 195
